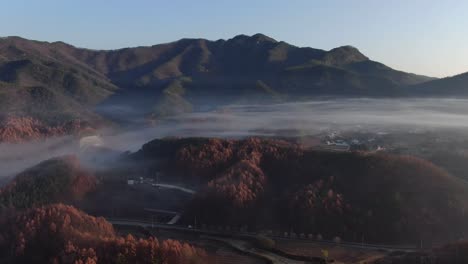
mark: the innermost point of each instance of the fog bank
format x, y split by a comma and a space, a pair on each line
293, 119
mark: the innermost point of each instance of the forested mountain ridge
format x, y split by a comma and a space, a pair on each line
57, 83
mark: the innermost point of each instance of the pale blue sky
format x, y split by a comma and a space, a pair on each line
425, 37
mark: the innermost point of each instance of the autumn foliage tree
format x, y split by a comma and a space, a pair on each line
16, 129
62, 234
264, 183
56, 180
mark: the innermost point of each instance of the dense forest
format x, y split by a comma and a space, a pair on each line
56, 180
277, 185
258, 184
16, 129
35, 227
59, 233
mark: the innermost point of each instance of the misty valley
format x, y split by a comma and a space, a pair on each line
238, 150
360, 177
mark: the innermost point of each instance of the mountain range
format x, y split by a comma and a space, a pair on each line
57, 82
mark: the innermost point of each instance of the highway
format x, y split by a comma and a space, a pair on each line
237, 244
148, 224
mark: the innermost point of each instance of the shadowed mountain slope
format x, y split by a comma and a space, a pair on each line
56, 82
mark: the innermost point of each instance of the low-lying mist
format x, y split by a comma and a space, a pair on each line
236, 121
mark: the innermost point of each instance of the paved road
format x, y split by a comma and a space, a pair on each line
130, 222
235, 243
171, 186
177, 215
405, 248
174, 220
245, 246
160, 211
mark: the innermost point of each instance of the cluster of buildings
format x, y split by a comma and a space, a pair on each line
333, 141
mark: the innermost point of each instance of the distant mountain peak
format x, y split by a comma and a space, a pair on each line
261, 37
173, 77
257, 39
347, 47
344, 55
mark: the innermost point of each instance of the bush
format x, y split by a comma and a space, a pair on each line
264, 242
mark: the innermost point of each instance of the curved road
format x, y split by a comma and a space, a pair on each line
237, 244
130, 222
171, 186
177, 216
246, 247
